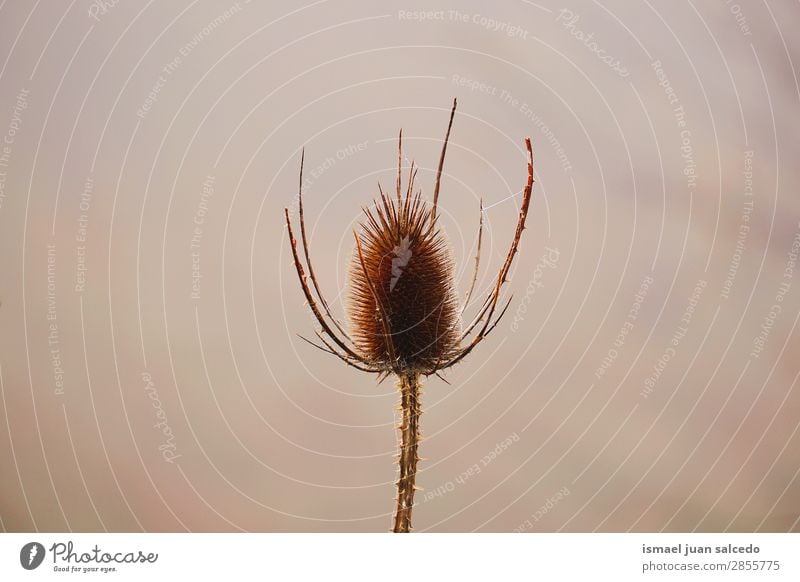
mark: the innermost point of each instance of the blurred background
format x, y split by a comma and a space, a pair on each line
645, 377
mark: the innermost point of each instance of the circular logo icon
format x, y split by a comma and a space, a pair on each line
31, 555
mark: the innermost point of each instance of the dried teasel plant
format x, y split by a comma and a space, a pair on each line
405, 317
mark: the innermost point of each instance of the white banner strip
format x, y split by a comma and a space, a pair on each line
411, 558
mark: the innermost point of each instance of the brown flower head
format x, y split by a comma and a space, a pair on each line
404, 313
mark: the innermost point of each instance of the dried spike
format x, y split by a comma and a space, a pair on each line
441, 160
399, 162
306, 251
477, 260
412, 174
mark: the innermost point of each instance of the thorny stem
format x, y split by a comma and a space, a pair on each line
410, 393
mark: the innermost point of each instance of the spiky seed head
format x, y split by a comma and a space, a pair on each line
403, 308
